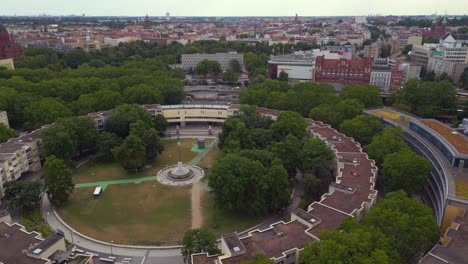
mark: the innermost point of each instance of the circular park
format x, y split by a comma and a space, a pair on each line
155, 206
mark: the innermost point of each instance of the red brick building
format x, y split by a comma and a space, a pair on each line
343, 71
8, 46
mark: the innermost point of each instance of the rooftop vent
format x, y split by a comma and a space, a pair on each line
236, 249
37, 251
313, 220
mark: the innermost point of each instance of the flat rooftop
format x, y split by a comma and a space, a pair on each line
456, 248
13, 241
272, 242
458, 141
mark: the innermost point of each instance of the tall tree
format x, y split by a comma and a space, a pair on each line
197, 241
235, 66
105, 143
408, 224
405, 170
57, 181
289, 123
389, 141
153, 144
230, 76
132, 154
22, 194
289, 152
362, 128
160, 123
6, 133
283, 76
123, 116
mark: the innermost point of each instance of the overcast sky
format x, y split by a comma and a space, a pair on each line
232, 7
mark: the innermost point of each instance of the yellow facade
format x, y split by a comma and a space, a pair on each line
4, 118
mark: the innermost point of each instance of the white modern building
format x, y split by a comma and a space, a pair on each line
190, 61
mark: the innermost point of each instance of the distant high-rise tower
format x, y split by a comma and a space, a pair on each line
168, 16
147, 22
296, 19
9, 48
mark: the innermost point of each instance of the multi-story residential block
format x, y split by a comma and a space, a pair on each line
4, 118
372, 51
190, 61
381, 77
420, 54
343, 71
453, 69
19, 155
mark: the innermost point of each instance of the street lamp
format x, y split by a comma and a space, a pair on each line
112, 241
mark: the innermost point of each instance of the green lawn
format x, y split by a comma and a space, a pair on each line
208, 160
98, 171
144, 213
221, 222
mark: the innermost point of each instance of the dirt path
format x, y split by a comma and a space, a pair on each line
197, 218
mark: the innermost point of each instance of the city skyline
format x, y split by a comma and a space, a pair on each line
231, 8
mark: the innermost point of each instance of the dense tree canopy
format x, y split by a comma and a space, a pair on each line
289, 123
123, 116
362, 128
6, 133
368, 94
44, 112
408, 224
388, 142
335, 114
22, 194
105, 143
405, 170
245, 185
69, 137
350, 243
208, 67
426, 99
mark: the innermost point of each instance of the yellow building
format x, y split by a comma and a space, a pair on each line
4, 118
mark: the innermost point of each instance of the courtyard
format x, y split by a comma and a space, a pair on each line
135, 209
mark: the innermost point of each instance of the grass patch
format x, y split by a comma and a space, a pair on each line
144, 213
461, 188
96, 171
221, 222
33, 221
208, 160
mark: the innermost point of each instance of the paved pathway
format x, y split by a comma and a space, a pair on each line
197, 216
104, 184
